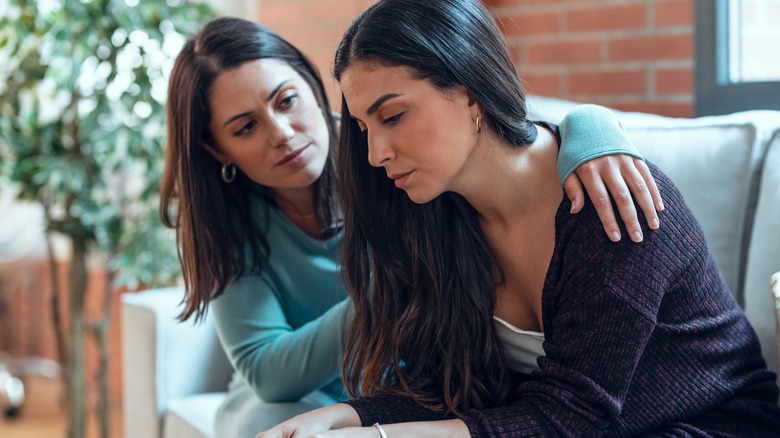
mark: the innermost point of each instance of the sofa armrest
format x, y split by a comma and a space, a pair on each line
164, 359
775, 286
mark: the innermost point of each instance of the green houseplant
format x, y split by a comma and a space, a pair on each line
82, 90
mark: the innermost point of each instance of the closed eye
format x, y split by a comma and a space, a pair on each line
393, 120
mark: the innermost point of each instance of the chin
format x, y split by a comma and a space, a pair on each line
419, 197
309, 178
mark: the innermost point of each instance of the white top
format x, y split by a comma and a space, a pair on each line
522, 347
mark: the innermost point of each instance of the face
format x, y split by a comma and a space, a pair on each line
420, 135
266, 120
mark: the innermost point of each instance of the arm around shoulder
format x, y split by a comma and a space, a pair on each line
588, 132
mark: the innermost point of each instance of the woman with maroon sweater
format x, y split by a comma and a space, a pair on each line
482, 307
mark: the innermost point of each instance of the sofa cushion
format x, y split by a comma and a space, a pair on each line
192, 416
764, 254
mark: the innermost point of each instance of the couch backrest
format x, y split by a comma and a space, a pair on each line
728, 169
763, 256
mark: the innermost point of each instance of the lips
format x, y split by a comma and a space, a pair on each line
399, 178
397, 175
292, 155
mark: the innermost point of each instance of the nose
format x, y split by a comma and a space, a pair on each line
379, 151
281, 131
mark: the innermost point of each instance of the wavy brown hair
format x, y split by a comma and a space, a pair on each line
212, 220
422, 277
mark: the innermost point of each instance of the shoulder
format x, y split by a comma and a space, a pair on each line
583, 250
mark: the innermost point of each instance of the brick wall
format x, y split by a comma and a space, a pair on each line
628, 54
315, 27
635, 55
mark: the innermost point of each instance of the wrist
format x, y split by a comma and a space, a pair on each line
380, 429
342, 415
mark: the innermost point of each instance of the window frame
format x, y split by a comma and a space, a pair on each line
713, 95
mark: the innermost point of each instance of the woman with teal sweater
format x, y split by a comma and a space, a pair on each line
249, 188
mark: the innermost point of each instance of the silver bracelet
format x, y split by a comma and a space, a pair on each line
380, 429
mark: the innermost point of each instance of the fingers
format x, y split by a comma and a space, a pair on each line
593, 181
280, 431
622, 195
617, 177
641, 166
574, 191
640, 188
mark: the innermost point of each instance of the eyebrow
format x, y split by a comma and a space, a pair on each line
375, 106
270, 96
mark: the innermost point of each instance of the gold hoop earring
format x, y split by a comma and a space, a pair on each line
228, 172
479, 124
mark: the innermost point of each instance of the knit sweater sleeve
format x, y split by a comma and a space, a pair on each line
582, 385
588, 132
279, 363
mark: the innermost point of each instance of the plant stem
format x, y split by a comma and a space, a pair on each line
77, 375
63, 352
101, 333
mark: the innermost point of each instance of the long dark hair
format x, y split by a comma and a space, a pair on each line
212, 218
422, 277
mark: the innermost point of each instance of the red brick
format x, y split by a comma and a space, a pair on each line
552, 2
674, 81
669, 109
499, 3
564, 52
608, 82
276, 15
651, 48
629, 16
542, 84
319, 11
674, 13
530, 24
515, 54
360, 5
313, 37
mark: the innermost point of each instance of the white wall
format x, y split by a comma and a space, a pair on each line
247, 9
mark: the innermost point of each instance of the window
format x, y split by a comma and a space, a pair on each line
737, 62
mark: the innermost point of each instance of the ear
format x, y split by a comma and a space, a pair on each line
474, 107
222, 158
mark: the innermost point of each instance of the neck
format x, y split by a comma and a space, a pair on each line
296, 203
507, 183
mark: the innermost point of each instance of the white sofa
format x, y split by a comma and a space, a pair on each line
727, 167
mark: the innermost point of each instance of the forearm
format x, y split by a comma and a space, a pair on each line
428, 429
392, 408
294, 363
279, 363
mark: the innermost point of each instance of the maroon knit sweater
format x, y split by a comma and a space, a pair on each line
640, 339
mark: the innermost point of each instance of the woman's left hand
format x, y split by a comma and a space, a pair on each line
348, 432
317, 423
620, 176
